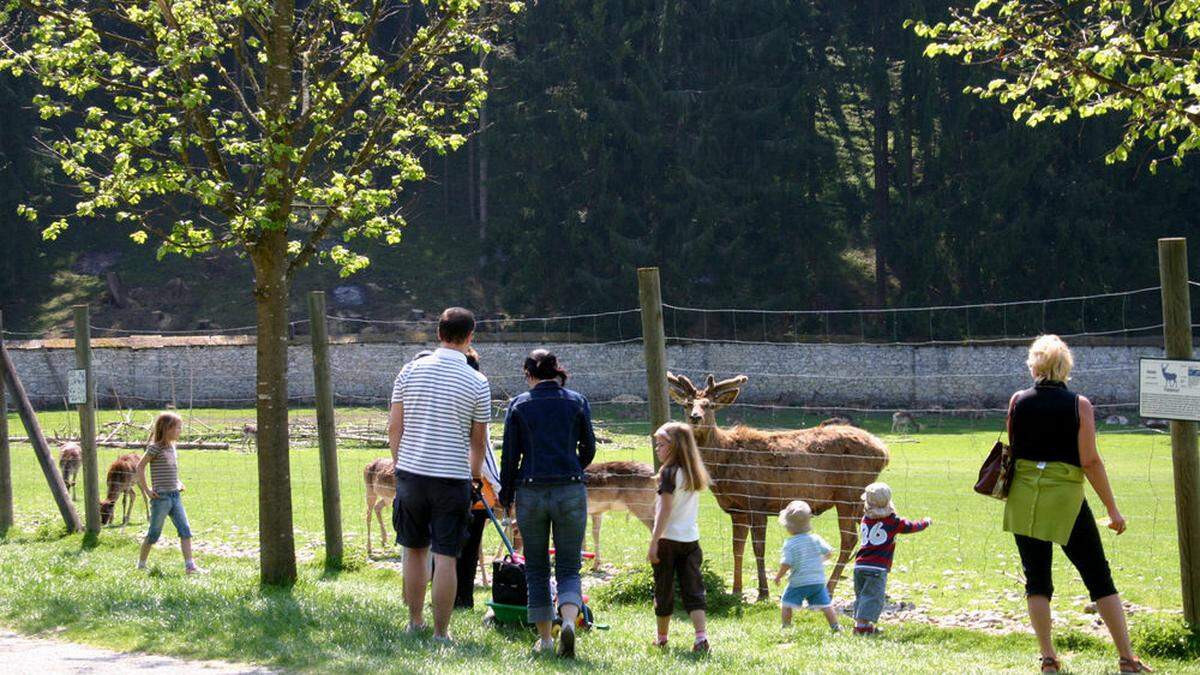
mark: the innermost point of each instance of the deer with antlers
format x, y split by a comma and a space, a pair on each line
619, 486
756, 473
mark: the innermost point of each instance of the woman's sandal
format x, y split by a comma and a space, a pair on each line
1133, 666
1050, 664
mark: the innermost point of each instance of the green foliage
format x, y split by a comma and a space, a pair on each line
1165, 637
1085, 58
636, 587
210, 124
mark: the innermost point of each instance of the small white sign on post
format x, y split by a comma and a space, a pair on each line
77, 387
1169, 389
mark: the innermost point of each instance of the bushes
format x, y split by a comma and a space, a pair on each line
1165, 637
637, 587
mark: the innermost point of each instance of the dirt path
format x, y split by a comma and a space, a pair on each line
21, 654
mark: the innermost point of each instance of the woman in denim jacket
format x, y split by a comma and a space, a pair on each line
548, 441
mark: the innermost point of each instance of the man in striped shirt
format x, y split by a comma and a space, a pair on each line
437, 430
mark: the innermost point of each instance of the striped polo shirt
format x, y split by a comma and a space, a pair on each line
442, 397
164, 470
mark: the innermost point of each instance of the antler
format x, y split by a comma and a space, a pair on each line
713, 387
682, 383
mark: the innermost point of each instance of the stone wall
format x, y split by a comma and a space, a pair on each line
220, 373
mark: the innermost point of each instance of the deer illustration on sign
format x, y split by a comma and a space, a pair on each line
1170, 380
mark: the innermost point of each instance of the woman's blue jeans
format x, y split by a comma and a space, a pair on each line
541, 511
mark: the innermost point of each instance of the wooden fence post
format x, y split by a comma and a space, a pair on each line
87, 424
654, 343
6, 494
1177, 333
331, 498
40, 448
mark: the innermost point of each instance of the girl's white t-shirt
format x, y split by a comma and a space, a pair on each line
685, 505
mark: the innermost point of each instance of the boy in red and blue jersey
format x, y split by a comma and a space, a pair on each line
877, 546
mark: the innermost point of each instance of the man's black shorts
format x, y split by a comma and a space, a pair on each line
431, 512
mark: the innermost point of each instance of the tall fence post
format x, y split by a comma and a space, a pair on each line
326, 431
87, 424
1177, 333
654, 343
6, 494
38, 440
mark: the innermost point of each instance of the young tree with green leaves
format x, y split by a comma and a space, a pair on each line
1058, 58
269, 126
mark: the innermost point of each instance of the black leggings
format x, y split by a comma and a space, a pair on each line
1083, 549
468, 560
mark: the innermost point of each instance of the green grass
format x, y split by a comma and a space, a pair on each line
353, 621
964, 564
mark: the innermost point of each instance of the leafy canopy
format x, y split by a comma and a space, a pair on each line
1058, 58
206, 123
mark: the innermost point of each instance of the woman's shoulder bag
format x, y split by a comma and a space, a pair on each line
995, 476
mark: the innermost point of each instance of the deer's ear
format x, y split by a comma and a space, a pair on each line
726, 397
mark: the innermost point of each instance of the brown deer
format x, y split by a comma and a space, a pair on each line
122, 478
70, 457
756, 473
380, 479
619, 486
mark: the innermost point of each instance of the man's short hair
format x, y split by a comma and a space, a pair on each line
455, 325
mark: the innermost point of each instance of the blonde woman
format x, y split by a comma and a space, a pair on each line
675, 541
1053, 435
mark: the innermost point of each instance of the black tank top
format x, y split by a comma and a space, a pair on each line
1045, 424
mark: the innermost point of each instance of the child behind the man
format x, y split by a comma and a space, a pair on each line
804, 555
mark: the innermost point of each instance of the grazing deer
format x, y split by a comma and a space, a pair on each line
249, 433
70, 457
122, 477
757, 473
619, 486
903, 422
380, 479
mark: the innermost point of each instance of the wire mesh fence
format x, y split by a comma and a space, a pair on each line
934, 449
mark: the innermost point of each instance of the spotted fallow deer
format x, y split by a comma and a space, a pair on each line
756, 473
619, 486
122, 479
380, 479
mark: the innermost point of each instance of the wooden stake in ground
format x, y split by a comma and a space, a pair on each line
654, 343
87, 422
1185, 459
331, 498
6, 494
29, 418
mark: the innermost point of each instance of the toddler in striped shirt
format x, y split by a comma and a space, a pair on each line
804, 555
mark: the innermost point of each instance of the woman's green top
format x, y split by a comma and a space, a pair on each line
1044, 500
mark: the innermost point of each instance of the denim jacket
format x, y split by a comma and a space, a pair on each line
548, 439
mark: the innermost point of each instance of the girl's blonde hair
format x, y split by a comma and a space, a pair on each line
1050, 359
162, 423
685, 454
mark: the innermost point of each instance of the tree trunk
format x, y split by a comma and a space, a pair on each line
471, 193
880, 94
277, 547
483, 174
